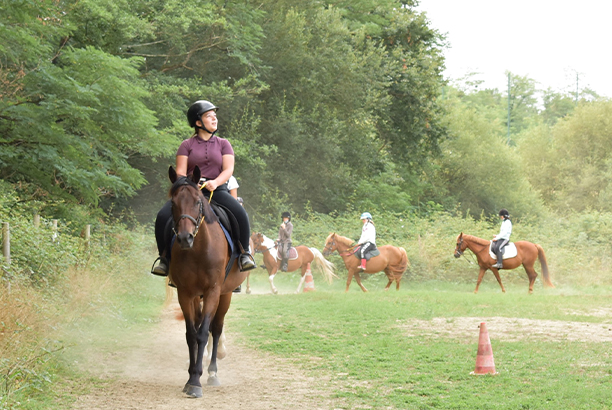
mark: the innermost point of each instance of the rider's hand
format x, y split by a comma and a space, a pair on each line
211, 184
283, 225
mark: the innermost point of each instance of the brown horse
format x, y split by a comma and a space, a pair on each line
392, 259
305, 256
527, 254
197, 269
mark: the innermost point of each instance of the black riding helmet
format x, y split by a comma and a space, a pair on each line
194, 113
286, 215
504, 212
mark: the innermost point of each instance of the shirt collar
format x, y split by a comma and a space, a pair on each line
201, 140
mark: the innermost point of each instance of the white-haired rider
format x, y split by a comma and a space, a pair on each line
368, 237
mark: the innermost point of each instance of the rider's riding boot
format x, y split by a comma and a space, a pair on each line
500, 263
246, 261
237, 290
162, 268
363, 263
284, 265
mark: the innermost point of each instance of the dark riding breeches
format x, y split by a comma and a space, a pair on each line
364, 248
498, 249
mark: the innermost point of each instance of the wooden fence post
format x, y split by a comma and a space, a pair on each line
87, 235
36, 221
6, 242
54, 235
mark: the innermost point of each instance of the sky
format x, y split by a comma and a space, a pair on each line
548, 41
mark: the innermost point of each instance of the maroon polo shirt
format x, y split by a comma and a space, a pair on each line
208, 155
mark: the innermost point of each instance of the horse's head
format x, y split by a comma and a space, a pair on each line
461, 245
258, 239
189, 207
330, 244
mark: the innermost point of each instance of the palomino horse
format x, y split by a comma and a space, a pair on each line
304, 258
527, 254
197, 269
392, 259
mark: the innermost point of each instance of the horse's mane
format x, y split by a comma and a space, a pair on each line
209, 216
476, 239
342, 239
267, 242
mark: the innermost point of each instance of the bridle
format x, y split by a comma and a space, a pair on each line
329, 248
459, 252
197, 222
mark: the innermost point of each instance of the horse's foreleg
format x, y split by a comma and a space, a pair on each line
496, 273
272, 287
216, 330
193, 334
480, 276
248, 289
349, 278
358, 279
303, 278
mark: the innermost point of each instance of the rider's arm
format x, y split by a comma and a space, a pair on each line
181, 165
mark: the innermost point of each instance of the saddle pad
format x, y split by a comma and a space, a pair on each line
293, 255
509, 251
370, 253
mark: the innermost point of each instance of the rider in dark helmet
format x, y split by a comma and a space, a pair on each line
215, 158
503, 238
284, 240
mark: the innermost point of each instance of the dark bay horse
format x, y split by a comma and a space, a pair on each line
527, 254
305, 257
197, 269
392, 259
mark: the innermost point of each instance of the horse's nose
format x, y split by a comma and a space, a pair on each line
457, 254
185, 240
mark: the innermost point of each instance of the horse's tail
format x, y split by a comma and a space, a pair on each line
326, 266
542, 258
404, 262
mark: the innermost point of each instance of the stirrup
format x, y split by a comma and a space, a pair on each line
246, 262
161, 269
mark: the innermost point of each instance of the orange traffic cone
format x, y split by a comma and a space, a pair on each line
484, 358
309, 284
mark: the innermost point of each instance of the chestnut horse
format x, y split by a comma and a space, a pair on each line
527, 254
392, 259
197, 269
305, 257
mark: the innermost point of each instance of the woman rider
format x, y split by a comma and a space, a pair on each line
215, 158
502, 239
367, 239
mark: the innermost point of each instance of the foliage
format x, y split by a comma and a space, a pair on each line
569, 164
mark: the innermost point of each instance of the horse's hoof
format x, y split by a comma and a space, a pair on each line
193, 391
275, 291
248, 291
213, 381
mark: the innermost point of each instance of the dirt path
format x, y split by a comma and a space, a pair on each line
153, 376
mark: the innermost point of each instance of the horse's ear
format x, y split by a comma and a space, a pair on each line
195, 177
461, 235
172, 174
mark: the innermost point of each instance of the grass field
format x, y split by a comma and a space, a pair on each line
415, 349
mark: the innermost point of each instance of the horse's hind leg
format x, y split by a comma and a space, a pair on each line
303, 278
496, 273
391, 279
532, 275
